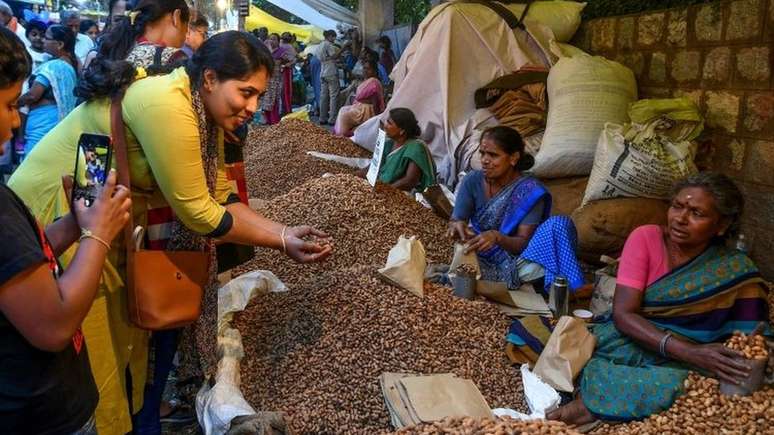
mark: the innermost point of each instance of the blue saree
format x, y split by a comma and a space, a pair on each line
504, 212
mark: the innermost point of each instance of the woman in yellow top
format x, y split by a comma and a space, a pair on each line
175, 127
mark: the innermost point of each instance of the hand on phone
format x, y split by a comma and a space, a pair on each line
110, 211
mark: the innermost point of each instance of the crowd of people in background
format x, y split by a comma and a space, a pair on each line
349, 81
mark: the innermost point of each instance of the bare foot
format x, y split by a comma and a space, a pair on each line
574, 413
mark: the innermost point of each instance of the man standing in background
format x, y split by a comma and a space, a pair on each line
329, 78
10, 22
83, 44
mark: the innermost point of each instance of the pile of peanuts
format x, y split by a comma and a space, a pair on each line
276, 159
364, 224
752, 346
703, 410
465, 270
316, 352
504, 426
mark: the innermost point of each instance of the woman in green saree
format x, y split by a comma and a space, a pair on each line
680, 293
407, 164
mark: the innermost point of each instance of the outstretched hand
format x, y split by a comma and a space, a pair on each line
110, 211
302, 251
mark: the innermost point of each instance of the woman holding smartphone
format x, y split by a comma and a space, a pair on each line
43, 355
175, 125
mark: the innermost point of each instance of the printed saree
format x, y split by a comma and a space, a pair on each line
704, 301
504, 212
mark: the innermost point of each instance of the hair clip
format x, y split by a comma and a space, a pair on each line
132, 16
140, 73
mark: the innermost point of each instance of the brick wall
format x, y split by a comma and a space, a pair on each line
719, 55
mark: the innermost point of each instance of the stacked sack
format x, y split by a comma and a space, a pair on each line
635, 166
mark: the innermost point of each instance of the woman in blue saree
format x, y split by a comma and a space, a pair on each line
680, 293
52, 92
503, 216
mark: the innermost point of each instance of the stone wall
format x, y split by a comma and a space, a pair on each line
719, 55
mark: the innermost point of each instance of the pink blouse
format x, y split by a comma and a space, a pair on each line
644, 258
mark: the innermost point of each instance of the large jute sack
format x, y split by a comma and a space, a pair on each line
584, 93
645, 158
604, 226
566, 194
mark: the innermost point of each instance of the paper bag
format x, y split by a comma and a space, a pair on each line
433, 398
460, 258
406, 265
568, 350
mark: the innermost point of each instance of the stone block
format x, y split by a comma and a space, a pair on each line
761, 243
634, 60
655, 92
650, 29
626, 33
708, 23
753, 68
725, 155
745, 20
759, 114
695, 95
759, 206
603, 35
717, 67
677, 28
582, 38
759, 164
686, 66
657, 71
770, 21
722, 110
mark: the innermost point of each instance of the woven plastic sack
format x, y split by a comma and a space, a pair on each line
645, 158
584, 92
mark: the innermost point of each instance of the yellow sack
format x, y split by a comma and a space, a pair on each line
302, 114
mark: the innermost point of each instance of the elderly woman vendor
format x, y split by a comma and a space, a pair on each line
680, 293
503, 216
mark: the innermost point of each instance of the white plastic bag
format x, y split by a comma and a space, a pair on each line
541, 397
216, 406
585, 93
406, 265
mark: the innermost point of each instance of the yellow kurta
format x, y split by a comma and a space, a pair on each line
166, 167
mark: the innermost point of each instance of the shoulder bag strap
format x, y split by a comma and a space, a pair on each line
118, 136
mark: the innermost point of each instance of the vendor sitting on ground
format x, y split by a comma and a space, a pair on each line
680, 293
499, 212
369, 102
407, 164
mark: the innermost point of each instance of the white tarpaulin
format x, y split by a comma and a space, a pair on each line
324, 14
459, 48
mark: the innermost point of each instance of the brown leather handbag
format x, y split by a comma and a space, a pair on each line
164, 288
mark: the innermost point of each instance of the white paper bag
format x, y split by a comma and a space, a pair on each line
406, 265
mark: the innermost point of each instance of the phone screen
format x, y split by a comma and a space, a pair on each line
92, 165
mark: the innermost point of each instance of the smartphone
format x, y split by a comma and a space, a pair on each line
92, 165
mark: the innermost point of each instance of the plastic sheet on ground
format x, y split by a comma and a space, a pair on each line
353, 162
216, 406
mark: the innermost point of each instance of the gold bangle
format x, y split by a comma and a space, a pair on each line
284, 246
87, 234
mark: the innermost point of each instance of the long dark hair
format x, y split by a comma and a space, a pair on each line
66, 36
118, 42
15, 62
230, 55
510, 141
